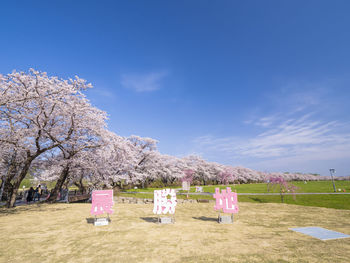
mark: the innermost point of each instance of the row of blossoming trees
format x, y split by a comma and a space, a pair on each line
49, 128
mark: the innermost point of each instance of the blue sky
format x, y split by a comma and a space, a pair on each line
263, 84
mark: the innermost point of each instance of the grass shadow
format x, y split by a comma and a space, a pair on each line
258, 200
8, 211
19, 208
32, 207
90, 220
150, 219
204, 218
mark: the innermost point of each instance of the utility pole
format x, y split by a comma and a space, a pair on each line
332, 171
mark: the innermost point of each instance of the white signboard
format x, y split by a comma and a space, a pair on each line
164, 201
199, 189
186, 186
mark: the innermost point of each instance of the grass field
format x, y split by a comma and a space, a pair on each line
329, 201
60, 233
309, 187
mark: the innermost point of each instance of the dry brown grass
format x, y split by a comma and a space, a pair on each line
60, 233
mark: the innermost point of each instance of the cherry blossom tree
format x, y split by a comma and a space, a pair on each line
40, 113
224, 177
83, 140
171, 169
144, 151
204, 171
113, 164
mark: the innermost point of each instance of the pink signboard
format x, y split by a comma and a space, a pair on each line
102, 202
226, 200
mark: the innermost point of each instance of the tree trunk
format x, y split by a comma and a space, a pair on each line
7, 190
282, 195
54, 192
14, 190
81, 186
2, 187
6, 182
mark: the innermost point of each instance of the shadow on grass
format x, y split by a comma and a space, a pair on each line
32, 207
8, 211
204, 218
150, 219
258, 200
90, 220
19, 209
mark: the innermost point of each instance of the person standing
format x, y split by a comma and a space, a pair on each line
30, 195
36, 194
39, 192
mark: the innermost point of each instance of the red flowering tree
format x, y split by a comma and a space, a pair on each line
188, 177
282, 185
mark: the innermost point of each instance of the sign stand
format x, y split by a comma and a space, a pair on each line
166, 220
225, 219
102, 221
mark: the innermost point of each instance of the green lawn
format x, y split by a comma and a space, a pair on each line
150, 196
309, 187
329, 201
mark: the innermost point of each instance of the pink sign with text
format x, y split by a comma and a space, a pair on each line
226, 200
102, 202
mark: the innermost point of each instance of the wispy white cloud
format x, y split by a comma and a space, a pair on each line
266, 121
302, 137
143, 82
294, 140
101, 92
299, 137
300, 127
